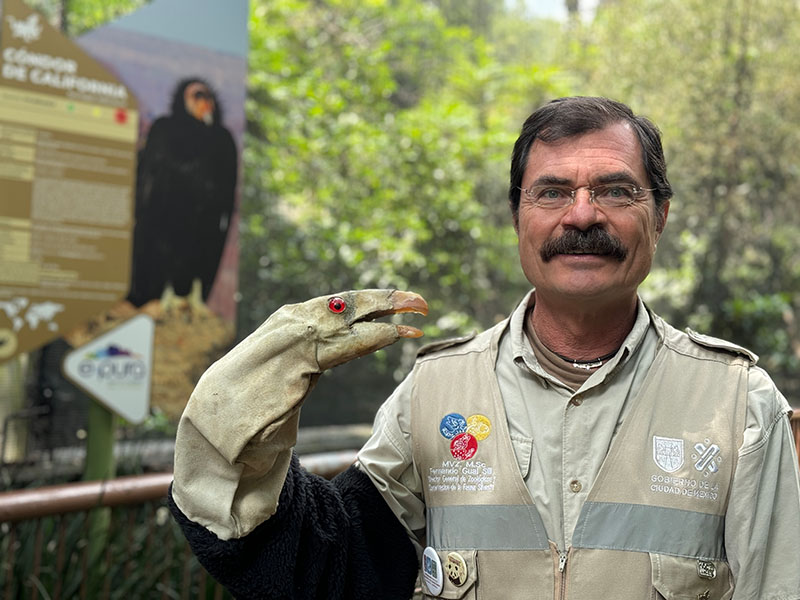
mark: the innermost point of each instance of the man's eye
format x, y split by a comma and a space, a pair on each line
615, 191
551, 194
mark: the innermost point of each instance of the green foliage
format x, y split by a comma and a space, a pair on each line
84, 15
378, 137
75, 17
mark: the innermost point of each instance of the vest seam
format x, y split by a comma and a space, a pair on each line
658, 566
596, 503
645, 551
763, 439
395, 444
438, 356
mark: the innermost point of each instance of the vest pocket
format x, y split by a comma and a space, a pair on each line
680, 578
523, 448
459, 574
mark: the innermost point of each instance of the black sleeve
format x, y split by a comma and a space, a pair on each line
333, 540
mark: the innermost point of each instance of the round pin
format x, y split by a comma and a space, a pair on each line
479, 426
456, 568
463, 446
452, 425
432, 571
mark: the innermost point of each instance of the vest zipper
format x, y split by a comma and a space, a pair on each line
562, 567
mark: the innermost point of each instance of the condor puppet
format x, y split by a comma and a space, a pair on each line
257, 389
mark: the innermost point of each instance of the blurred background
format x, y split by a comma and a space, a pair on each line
372, 142
378, 143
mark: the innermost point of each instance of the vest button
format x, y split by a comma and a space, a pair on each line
577, 401
575, 486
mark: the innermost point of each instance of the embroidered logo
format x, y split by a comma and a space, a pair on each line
706, 569
464, 434
668, 453
479, 426
464, 446
707, 456
452, 425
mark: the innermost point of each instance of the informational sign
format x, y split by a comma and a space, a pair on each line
116, 368
68, 132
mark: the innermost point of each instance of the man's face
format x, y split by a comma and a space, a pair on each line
585, 160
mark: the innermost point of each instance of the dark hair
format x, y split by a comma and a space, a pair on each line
566, 117
178, 107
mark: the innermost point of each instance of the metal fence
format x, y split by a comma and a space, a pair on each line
111, 539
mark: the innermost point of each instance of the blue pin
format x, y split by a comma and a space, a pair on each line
452, 425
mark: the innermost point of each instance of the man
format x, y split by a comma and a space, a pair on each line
582, 448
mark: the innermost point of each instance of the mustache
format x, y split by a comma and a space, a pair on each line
594, 240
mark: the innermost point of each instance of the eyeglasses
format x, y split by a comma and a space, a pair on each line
606, 195
201, 95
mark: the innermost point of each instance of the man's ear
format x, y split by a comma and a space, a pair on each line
661, 220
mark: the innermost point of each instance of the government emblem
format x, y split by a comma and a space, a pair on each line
668, 453
707, 456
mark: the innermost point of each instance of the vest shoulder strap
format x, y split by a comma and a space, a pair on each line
444, 344
692, 343
468, 343
720, 344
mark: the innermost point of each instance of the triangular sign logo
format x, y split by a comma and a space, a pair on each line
116, 368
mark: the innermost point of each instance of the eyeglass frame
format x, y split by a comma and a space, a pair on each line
639, 193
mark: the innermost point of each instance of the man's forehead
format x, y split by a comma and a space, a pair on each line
615, 143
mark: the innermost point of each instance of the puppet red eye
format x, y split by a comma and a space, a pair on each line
337, 304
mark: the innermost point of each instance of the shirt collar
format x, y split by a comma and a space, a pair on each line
522, 351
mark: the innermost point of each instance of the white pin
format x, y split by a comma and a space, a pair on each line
432, 571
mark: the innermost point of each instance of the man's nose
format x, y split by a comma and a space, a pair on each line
583, 212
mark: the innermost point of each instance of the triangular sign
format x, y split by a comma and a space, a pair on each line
116, 368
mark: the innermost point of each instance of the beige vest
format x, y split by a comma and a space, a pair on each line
653, 522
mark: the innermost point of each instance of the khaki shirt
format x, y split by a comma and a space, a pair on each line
561, 438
